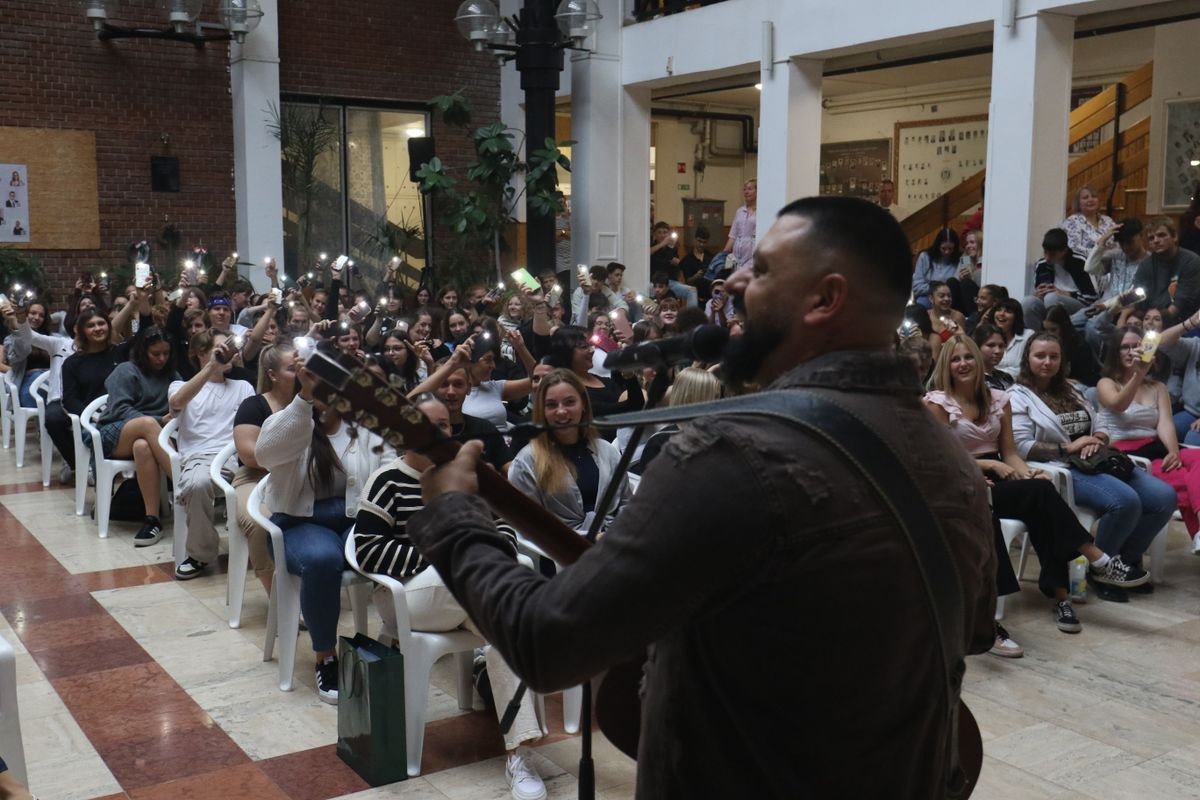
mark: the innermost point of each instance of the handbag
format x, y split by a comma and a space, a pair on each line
1107, 460
371, 736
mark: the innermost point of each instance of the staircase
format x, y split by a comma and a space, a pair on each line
1116, 167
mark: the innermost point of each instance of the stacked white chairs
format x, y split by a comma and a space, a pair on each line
11, 746
283, 615
239, 549
421, 650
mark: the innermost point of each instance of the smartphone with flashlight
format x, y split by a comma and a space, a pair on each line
277, 295
141, 275
524, 278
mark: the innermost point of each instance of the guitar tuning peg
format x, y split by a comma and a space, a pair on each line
342, 406
395, 440
369, 421
364, 378
412, 414
386, 396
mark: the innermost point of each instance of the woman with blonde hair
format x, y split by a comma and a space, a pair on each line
691, 385
1088, 224
277, 366
568, 466
981, 418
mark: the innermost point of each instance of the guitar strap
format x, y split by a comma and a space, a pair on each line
871, 457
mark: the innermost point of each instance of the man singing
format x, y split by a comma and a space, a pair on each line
792, 652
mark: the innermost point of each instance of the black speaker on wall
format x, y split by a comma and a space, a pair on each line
420, 151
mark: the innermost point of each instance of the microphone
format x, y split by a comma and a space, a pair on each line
703, 343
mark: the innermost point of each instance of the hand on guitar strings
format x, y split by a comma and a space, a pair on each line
453, 476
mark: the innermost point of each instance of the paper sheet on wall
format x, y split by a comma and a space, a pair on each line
14, 210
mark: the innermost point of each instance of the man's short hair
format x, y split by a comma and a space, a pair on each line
862, 231
614, 266
598, 273
1055, 240
887, 181
660, 278
661, 226
701, 233
1130, 228
1162, 222
242, 285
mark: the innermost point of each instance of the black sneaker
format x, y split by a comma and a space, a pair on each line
190, 568
1117, 573
1145, 588
1065, 617
150, 533
1113, 594
327, 680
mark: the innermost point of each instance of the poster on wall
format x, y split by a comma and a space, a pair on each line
934, 156
14, 211
1181, 170
854, 169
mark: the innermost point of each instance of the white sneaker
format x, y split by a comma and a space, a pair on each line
1196, 545
523, 777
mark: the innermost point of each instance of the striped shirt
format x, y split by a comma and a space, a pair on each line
392, 497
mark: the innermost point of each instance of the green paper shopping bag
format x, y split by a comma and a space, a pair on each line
371, 735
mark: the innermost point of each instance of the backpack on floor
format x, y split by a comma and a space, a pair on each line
127, 505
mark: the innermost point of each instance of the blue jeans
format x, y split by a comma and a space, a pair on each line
1183, 428
25, 394
313, 549
686, 292
1131, 514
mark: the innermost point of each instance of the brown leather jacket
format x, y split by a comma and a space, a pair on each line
793, 651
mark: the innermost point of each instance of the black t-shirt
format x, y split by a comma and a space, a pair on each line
692, 266
587, 473
495, 451
660, 260
254, 410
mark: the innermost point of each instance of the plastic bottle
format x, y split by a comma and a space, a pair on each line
1077, 572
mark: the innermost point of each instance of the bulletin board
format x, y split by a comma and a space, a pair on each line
855, 169
933, 156
63, 189
1181, 172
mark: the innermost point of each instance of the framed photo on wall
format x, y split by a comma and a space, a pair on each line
933, 156
1181, 155
854, 169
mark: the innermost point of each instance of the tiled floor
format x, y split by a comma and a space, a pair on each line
132, 685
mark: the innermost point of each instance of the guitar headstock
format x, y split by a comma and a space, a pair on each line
348, 387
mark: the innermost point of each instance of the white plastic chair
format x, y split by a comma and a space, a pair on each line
421, 650
10, 718
107, 469
1011, 530
178, 513
1088, 518
21, 417
5, 413
239, 549
83, 455
283, 614
41, 392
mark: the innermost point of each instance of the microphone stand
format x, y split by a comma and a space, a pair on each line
587, 768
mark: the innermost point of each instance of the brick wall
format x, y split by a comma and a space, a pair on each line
130, 92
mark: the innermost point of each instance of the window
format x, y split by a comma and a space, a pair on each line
347, 189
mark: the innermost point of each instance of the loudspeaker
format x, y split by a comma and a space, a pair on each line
420, 151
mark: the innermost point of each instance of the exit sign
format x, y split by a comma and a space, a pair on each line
684, 187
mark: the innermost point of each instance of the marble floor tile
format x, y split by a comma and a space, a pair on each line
1059, 755
485, 780
313, 774
242, 782
612, 767
1001, 781
411, 789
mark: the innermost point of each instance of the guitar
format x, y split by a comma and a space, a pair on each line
350, 389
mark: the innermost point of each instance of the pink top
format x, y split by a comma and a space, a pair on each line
978, 439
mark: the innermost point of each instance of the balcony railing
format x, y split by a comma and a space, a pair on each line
642, 10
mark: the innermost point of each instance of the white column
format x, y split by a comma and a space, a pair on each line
1028, 124
789, 136
258, 179
610, 164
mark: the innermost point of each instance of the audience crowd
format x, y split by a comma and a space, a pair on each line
1049, 390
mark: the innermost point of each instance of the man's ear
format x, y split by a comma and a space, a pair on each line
826, 299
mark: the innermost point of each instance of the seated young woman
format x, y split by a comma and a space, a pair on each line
1081, 364
571, 349
205, 406
277, 365
1009, 318
319, 465
991, 344
981, 418
32, 349
1135, 409
1053, 420
478, 354
391, 497
568, 467
691, 385
944, 319
133, 418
